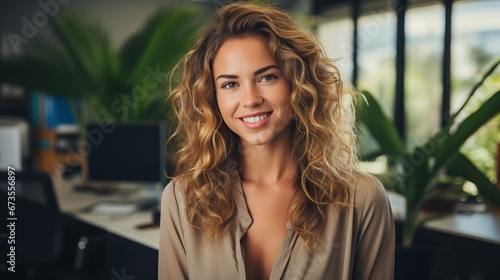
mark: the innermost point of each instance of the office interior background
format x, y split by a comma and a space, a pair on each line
420, 60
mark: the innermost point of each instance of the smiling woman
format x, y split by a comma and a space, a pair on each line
267, 185
254, 100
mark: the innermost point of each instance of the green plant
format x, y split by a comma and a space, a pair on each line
415, 174
76, 59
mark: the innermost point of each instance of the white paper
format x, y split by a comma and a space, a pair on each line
113, 208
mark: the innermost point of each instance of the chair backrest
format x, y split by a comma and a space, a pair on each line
38, 230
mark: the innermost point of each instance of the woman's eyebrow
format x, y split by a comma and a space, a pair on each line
260, 71
227, 76
264, 69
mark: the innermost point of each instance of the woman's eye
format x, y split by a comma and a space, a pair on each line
268, 78
229, 85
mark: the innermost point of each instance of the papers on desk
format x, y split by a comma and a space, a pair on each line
112, 208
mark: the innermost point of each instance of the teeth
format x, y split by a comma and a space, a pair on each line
255, 119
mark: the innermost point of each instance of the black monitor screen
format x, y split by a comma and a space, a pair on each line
126, 152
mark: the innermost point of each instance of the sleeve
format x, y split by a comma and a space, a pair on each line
374, 255
172, 262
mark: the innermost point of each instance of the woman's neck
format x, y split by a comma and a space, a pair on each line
268, 164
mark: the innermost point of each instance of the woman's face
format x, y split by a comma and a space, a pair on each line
252, 93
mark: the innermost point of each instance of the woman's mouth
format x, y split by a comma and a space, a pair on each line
256, 118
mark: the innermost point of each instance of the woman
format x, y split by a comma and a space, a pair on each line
266, 184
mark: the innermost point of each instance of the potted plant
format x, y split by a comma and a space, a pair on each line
76, 59
416, 174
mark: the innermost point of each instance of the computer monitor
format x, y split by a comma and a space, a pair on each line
126, 153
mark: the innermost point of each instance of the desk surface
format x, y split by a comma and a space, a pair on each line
483, 226
479, 226
72, 203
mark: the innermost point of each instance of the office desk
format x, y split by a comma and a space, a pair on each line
480, 226
471, 242
72, 203
130, 252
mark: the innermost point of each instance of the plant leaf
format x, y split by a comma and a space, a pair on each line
40, 74
473, 90
161, 43
419, 160
448, 146
380, 127
462, 166
89, 48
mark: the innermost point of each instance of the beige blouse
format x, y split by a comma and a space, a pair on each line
357, 243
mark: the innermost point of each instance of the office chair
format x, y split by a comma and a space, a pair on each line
39, 230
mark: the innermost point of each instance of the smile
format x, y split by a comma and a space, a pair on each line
256, 118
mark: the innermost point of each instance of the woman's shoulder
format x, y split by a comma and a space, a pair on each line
173, 194
368, 191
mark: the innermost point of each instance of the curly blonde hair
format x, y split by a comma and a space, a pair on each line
323, 134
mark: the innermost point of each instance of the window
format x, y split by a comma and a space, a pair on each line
424, 30
474, 47
377, 57
336, 38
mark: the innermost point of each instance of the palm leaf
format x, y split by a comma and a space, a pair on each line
463, 167
447, 148
44, 65
161, 43
380, 127
474, 89
89, 48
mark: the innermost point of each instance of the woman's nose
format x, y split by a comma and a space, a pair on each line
251, 97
